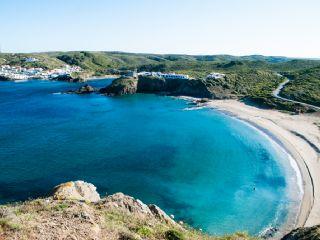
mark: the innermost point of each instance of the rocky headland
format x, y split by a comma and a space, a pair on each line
200, 88
69, 78
75, 210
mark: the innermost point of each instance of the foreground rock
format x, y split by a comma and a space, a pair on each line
75, 211
307, 233
78, 190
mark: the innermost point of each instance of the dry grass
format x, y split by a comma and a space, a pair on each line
52, 219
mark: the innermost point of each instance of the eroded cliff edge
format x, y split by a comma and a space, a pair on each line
75, 210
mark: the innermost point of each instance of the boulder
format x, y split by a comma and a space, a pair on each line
78, 190
127, 203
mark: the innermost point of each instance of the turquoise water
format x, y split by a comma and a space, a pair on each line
209, 170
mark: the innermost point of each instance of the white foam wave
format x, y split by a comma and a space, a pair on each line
193, 108
20, 81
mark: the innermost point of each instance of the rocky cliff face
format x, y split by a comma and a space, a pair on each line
121, 86
306, 233
75, 210
69, 78
178, 87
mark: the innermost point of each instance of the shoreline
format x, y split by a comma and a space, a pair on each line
280, 127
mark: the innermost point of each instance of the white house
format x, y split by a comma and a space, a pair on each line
215, 75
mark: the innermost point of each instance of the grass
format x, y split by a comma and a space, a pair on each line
25, 218
6, 224
60, 207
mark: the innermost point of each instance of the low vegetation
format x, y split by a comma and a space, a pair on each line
62, 219
304, 86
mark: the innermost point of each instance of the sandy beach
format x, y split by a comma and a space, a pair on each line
300, 136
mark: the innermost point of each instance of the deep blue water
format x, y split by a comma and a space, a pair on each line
209, 170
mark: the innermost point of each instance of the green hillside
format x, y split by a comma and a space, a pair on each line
248, 77
304, 87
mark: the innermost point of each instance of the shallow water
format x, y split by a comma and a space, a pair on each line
209, 170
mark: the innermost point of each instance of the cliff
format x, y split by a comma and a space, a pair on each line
304, 233
69, 78
178, 87
121, 86
76, 211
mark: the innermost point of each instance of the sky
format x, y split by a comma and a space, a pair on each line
238, 27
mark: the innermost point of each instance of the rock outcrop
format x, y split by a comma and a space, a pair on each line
68, 78
75, 211
4, 78
304, 233
121, 86
78, 190
86, 89
178, 87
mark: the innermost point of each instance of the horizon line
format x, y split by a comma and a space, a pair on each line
150, 53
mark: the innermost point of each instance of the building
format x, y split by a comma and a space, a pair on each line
174, 76
31, 59
165, 75
132, 74
215, 75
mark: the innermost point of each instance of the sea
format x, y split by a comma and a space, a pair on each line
210, 170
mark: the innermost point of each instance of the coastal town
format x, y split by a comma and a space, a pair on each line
10, 72
22, 73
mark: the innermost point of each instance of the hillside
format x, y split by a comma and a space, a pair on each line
76, 211
304, 86
250, 78
99, 62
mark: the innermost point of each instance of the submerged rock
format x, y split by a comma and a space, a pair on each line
78, 190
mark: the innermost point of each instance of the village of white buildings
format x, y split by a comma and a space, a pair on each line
23, 73
135, 74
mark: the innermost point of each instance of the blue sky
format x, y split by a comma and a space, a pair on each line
238, 27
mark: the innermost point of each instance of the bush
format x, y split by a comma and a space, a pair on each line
174, 235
